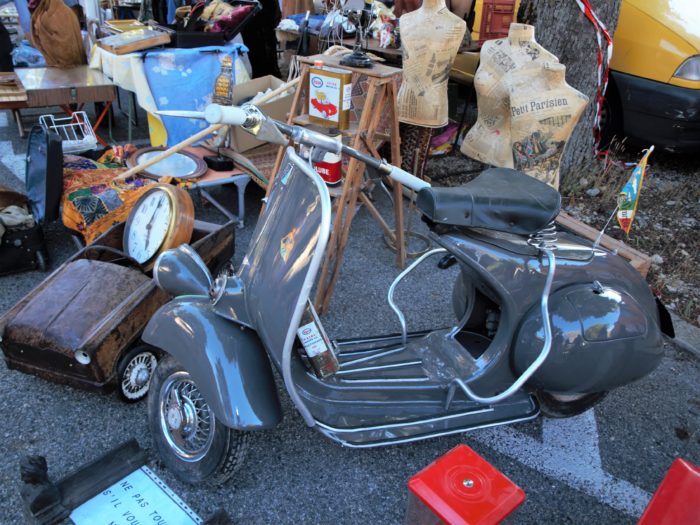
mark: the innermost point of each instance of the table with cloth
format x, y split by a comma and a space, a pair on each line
170, 79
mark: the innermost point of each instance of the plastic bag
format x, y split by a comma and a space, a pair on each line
24, 55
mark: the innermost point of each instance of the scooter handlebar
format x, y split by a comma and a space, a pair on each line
312, 138
236, 116
408, 180
230, 115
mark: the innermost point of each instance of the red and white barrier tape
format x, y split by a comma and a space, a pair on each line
603, 61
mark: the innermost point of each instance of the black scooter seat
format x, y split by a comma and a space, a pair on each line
498, 199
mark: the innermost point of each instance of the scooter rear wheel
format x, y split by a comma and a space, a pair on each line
560, 406
189, 439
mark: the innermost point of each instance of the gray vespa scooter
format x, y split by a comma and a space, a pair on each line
546, 322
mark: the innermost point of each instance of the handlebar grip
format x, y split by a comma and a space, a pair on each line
407, 179
230, 115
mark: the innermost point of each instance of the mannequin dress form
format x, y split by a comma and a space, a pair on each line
430, 37
489, 139
544, 110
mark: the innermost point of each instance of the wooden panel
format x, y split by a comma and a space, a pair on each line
11, 88
377, 70
120, 26
134, 40
639, 261
48, 86
496, 19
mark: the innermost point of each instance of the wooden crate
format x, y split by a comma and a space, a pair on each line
135, 40
11, 88
121, 26
639, 261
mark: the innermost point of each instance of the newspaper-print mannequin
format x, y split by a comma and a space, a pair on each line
430, 38
544, 110
489, 139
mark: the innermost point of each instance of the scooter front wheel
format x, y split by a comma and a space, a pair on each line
190, 441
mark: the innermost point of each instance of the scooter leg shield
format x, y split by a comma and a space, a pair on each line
226, 360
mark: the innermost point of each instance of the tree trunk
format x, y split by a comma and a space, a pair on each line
563, 29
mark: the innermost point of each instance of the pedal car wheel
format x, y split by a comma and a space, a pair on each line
135, 371
191, 442
559, 405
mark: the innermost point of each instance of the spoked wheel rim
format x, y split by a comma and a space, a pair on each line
137, 375
186, 420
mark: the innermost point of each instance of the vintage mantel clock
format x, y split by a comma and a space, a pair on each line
161, 219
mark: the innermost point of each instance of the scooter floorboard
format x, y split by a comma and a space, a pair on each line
431, 357
520, 407
386, 392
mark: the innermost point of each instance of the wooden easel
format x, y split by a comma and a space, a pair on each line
378, 107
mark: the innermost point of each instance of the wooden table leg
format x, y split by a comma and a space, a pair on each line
389, 100
371, 208
303, 82
346, 209
99, 121
398, 190
18, 119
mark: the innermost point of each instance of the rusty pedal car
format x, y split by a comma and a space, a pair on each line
82, 325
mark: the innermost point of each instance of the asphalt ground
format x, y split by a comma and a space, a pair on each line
598, 468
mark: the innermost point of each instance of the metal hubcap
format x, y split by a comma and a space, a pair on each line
137, 375
185, 418
140, 376
174, 418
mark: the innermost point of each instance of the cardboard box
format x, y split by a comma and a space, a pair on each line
277, 109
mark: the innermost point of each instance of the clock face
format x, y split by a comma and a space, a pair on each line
148, 225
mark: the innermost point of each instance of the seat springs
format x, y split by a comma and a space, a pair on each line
545, 239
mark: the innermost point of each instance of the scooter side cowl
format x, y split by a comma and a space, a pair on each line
602, 339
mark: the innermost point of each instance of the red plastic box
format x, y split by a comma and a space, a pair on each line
461, 488
677, 500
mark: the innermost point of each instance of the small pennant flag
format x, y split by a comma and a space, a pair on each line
628, 198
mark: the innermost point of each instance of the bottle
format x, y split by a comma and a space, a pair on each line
317, 347
223, 85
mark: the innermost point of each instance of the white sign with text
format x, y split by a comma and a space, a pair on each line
140, 498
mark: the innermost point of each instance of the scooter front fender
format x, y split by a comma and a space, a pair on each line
226, 360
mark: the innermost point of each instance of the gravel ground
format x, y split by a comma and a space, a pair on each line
294, 475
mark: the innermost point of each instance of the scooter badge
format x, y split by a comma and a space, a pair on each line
287, 244
287, 172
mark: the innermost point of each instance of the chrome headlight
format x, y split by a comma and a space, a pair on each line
182, 272
82, 357
217, 288
689, 69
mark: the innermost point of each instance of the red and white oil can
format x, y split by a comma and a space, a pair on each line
330, 168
